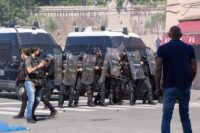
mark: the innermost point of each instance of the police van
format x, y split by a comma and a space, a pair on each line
87, 40
12, 40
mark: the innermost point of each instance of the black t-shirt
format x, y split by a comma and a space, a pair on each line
29, 62
176, 58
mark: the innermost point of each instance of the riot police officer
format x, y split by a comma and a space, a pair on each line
69, 79
48, 74
87, 77
126, 76
115, 93
146, 82
100, 87
78, 80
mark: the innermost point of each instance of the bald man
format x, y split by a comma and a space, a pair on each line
176, 60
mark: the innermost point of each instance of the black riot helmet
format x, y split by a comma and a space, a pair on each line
97, 52
48, 57
123, 55
144, 56
81, 56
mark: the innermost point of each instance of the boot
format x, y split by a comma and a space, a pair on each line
96, 100
144, 101
90, 100
111, 99
70, 100
19, 116
33, 114
160, 100
151, 102
61, 101
119, 98
23, 107
132, 98
48, 104
76, 98
102, 99
53, 113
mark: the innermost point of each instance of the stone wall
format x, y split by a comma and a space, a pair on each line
132, 17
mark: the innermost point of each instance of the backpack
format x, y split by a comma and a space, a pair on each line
21, 72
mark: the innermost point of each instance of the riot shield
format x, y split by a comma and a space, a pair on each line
135, 65
57, 67
151, 61
104, 68
70, 72
88, 69
114, 60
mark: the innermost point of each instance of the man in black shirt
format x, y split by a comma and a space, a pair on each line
32, 82
177, 61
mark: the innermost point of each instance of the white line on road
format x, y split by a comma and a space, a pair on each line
8, 113
104, 108
11, 103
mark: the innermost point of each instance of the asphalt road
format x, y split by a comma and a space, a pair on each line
112, 119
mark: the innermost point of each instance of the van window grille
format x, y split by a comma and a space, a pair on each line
4, 56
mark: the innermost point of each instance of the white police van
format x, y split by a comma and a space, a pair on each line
12, 40
87, 40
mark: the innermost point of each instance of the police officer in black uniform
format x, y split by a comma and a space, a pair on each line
97, 85
66, 90
115, 92
48, 74
126, 76
146, 82
78, 80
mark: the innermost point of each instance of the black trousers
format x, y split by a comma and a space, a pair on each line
128, 82
115, 93
144, 86
66, 90
100, 88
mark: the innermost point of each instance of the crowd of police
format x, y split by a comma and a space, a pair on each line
116, 75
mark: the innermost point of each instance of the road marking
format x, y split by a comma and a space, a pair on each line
78, 109
8, 113
10, 103
104, 108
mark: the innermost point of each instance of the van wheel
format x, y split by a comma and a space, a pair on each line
20, 91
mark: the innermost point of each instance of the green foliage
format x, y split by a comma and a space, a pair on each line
47, 23
70, 2
156, 20
146, 2
15, 9
119, 3
51, 24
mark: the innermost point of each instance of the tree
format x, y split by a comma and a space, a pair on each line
15, 9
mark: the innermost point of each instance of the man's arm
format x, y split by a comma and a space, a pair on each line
158, 75
193, 69
31, 69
